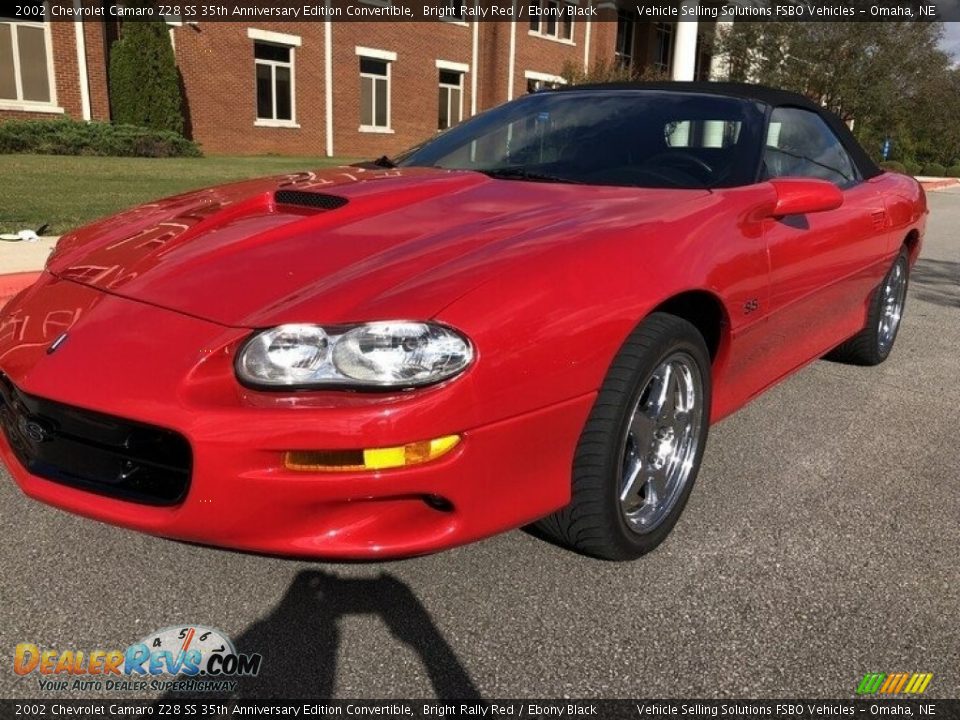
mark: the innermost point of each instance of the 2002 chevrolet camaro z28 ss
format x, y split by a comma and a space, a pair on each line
532, 317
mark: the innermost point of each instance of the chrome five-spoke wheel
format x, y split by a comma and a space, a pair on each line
640, 449
891, 308
660, 443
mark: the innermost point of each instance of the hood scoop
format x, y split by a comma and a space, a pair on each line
303, 198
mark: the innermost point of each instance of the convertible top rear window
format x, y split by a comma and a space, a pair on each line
651, 139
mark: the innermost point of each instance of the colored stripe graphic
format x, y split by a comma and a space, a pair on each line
871, 683
890, 683
894, 683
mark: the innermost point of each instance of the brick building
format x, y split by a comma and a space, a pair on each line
339, 88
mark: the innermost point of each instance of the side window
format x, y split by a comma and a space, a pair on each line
800, 144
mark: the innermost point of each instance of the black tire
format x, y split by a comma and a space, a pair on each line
594, 523
866, 347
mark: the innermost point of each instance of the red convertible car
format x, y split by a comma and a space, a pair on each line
532, 317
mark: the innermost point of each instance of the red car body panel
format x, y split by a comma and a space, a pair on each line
547, 280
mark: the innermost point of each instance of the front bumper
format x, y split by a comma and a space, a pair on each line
504, 473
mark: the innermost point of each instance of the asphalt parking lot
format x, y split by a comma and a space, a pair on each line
820, 543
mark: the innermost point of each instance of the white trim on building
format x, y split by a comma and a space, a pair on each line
328, 78
453, 66
82, 63
475, 60
375, 54
274, 37
544, 77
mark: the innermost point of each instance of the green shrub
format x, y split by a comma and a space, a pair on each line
953, 171
69, 137
144, 83
934, 170
913, 168
893, 166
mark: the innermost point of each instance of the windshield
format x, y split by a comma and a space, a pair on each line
636, 138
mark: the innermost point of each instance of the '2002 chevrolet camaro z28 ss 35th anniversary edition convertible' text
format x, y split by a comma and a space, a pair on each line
532, 317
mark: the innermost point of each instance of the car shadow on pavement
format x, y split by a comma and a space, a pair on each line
937, 282
299, 639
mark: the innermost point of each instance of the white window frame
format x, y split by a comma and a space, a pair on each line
289, 41
553, 80
555, 37
18, 103
388, 58
456, 4
461, 69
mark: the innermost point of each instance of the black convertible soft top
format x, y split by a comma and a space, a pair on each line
758, 93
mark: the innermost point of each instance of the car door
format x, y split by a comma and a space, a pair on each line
823, 265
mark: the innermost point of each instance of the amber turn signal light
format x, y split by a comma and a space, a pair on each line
414, 453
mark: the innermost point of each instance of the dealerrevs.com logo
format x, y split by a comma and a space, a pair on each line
187, 658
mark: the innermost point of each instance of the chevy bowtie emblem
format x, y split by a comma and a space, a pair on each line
56, 343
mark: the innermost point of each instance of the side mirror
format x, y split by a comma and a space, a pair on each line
799, 196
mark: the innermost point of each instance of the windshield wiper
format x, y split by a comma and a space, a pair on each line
517, 173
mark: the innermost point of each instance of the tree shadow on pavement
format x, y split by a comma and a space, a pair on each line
300, 638
937, 282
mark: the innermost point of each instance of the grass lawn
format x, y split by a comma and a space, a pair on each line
67, 191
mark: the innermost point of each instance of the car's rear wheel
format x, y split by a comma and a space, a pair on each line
872, 345
640, 450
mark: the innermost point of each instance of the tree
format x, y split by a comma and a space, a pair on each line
604, 71
144, 81
875, 75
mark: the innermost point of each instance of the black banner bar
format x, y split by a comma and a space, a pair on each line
485, 10
478, 710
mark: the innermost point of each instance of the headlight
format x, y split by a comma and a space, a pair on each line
374, 355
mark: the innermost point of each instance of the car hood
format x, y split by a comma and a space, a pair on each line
340, 245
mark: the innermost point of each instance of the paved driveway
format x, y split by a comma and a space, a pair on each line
821, 543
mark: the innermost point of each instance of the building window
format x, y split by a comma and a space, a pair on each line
274, 66
451, 99
555, 19
537, 81
662, 46
453, 10
374, 93
26, 70
626, 21
538, 85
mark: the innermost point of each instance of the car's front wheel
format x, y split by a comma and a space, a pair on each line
640, 450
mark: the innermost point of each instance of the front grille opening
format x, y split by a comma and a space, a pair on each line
303, 198
94, 451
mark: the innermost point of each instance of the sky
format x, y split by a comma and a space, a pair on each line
951, 40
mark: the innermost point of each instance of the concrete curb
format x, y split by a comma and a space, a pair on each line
13, 283
21, 264
933, 184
